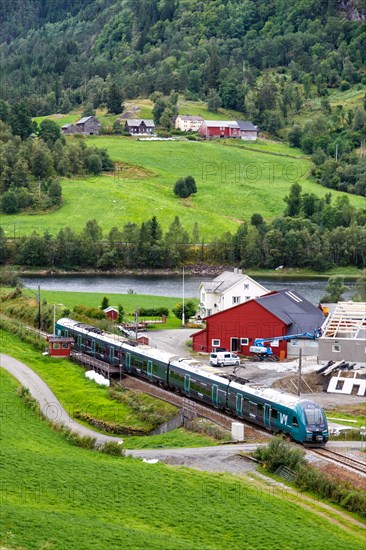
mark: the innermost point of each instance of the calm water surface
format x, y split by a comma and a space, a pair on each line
165, 285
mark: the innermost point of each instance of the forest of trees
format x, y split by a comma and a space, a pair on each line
264, 59
63, 53
31, 164
314, 233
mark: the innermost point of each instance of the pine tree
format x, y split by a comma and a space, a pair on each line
114, 99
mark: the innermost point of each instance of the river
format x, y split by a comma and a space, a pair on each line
166, 285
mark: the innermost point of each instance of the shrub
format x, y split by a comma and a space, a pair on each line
113, 448
91, 312
154, 312
279, 453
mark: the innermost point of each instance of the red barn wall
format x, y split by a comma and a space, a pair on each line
248, 320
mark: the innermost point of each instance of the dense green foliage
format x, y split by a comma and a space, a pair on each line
30, 167
280, 453
150, 45
315, 233
101, 501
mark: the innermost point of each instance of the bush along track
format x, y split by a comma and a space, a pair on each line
307, 478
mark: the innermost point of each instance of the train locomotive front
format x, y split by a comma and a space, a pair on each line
314, 423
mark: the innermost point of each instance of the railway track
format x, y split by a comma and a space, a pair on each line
352, 463
219, 418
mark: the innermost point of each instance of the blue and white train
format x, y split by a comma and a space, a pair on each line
302, 420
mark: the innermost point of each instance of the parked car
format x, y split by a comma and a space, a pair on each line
223, 359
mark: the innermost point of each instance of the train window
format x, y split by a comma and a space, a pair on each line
274, 414
295, 422
252, 409
245, 406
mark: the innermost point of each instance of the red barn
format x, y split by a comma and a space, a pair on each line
219, 129
112, 313
59, 346
278, 313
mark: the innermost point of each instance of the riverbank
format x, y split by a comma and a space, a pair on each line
349, 273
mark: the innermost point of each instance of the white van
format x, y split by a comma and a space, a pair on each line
224, 358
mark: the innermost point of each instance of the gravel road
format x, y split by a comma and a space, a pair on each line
49, 404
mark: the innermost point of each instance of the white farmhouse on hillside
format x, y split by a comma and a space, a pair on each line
227, 290
188, 123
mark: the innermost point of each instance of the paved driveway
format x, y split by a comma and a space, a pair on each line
172, 341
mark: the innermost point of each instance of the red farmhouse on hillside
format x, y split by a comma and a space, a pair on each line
278, 313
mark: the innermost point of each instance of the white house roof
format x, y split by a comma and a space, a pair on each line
226, 280
347, 321
221, 123
191, 118
110, 308
138, 121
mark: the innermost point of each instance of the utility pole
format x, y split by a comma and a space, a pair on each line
183, 315
39, 307
136, 322
300, 365
54, 319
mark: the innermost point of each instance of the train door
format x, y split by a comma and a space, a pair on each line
128, 361
215, 395
93, 347
187, 384
80, 342
267, 415
111, 355
149, 370
239, 404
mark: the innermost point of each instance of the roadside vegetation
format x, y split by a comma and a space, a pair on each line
279, 453
21, 304
90, 490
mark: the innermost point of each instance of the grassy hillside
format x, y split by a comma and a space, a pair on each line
58, 496
233, 182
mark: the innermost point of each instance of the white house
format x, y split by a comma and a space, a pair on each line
188, 123
227, 290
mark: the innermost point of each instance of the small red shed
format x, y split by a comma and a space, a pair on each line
59, 346
278, 313
112, 313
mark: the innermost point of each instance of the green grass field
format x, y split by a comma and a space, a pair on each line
80, 395
128, 301
232, 182
57, 496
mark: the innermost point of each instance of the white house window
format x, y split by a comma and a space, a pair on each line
336, 347
215, 343
236, 299
203, 297
244, 341
246, 286
209, 312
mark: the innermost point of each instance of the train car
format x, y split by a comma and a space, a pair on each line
198, 383
143, 361
302, 420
